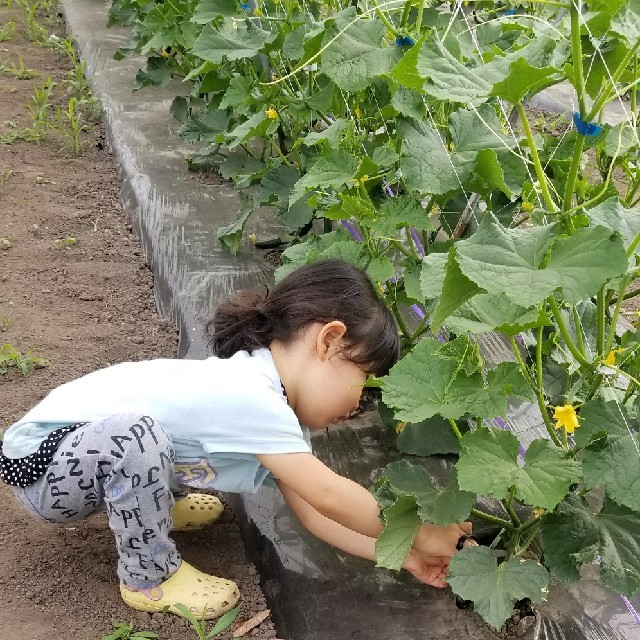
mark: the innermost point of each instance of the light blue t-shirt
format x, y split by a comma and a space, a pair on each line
218, 413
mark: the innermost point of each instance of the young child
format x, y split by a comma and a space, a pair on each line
133, 436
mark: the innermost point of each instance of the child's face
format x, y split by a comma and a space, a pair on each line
330, 393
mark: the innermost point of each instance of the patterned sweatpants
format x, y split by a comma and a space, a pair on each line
123, 463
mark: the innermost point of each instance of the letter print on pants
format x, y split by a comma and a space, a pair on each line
124, 463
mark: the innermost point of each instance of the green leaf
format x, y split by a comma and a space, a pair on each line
355, 54
380, 269
204, 126
612, 454
156, 73
543, 481
573, 536
465, 352
439, 506
406, 71
331, 135
384, 156
237, 93
433, 274
524, 80
396, 213
241, 168
424, 384
230, 236
626, 23
334, 169
256, 126
485, 313
409, 103
429, 437
509, 261
474, 574
233, 40
208, 10
224, 622
278, 182
456, 290
401, 527
613, 215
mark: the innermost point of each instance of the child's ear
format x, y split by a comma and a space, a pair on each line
329, 338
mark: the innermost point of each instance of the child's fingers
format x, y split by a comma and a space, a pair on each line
467, 527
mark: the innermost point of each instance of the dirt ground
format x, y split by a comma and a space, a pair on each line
75, 290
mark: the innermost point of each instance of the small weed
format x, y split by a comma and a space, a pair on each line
69, 125
5, 176
34, 31
7, 31
22, 134
20, 71
199, 625
68, 242
124, 631
5, 322
24, 362
38, 109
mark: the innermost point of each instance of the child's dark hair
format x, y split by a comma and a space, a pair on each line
321, 292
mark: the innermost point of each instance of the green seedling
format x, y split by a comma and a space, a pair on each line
5, 322
5, 176
199, 625
20, 71
38, 108
24, 362
69, 125
124, 631
68, 242
6, 31
34, 31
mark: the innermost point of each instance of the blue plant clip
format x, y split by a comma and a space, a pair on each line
586, 128
509, 12
404, 41
245, 6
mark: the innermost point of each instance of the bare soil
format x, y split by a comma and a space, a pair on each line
75, 290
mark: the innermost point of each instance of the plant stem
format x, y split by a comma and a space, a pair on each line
529, 539
507, 504
419, 17
454, 426
403, 327
405, 14
538, 393
601, 100
572, 177
491, 518
539, 359
616, 313
565, 334
576, 46
542, 178
579, 330
600, 322
385, 20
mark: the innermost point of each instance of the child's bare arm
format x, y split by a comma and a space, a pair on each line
332, 495
356, 544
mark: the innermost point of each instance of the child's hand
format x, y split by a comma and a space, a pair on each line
431, 570
440, 541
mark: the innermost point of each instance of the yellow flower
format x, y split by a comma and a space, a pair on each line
364, 178
356, 183
539, 512
357, 113
566, 417
611, 357
253, 238
400, 427
527, 206
271, 113
450, 146
257, 13
165, 54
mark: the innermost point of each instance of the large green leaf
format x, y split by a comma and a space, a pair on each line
456, 290
429, 437
573, 535
439, 506
424, 384
542, 482
233, 40
525, 80
486, 312
230, 236
406, 71
355, 53
510, 261
613, 215
207, 126
399, 212
626, 23
474, 574
208, 10
401, 527
612, 456
334, 169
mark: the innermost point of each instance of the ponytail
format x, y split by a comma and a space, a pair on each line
321, 292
